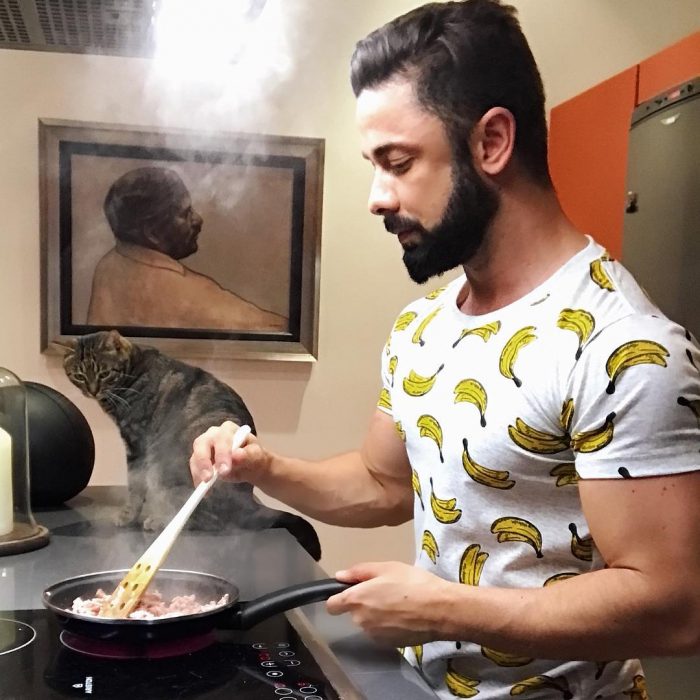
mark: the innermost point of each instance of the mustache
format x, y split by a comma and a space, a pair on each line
394, 223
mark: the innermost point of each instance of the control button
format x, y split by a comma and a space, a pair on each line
286, 653
314, 697
274, 674
308, 690
269, 664
283, 691
290, 662
259, 645
282, 645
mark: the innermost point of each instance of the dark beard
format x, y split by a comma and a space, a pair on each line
459, 234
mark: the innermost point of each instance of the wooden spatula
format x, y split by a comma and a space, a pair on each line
130, 589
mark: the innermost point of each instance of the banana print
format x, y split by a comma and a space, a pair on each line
539, 682
418, 335
689, 355
596, 439
393, 362
565, 473
512, 529
460, 686
384, 399
510, 352
472, 391
494, 478
581, 548
430, 428
471, 565
600, 276
405, 320
399, 429
435, 293
484, 332
444, 509
500, 658
418, 653
559, 577
638, 691
692, 404
537, 441
415, 485
567, 415
418, 385
579, 321
635, 352
429, 546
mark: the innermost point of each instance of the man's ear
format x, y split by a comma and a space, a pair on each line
493, 141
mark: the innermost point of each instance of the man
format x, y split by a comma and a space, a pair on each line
537, 418
140, 282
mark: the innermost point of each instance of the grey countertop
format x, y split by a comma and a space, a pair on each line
83, 540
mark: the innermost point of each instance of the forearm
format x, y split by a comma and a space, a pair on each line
607, 614
338, 491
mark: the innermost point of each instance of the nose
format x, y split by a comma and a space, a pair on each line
196, 219
382, 195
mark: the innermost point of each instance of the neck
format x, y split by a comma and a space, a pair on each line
528, 240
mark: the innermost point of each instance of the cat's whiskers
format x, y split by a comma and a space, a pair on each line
109, 394
125, 388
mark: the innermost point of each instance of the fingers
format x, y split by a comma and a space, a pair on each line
211, 448
360, 572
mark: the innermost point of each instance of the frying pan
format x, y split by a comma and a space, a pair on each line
236, 614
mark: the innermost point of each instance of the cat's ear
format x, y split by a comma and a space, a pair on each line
118, 341
65, 345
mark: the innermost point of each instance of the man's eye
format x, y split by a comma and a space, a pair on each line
400, 166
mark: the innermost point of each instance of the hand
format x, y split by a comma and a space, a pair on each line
394, 603
214, 448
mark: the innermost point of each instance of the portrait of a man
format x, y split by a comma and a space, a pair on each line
142, 281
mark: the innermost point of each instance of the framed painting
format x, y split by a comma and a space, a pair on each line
202, 245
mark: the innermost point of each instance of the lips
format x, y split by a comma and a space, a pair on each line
408, 237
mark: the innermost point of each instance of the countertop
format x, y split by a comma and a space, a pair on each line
83, 539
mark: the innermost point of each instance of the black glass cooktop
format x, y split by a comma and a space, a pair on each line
270, 661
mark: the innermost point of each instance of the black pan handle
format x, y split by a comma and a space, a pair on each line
249, 613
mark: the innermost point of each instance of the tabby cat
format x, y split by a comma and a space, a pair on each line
160, 406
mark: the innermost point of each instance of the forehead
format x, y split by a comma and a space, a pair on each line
391, 114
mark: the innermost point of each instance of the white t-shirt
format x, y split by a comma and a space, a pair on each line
502, 414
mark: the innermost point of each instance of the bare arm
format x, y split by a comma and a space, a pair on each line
365, 488
646, 603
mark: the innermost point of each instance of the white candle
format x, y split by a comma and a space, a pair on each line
6, 509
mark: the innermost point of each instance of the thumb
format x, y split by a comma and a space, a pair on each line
359, 572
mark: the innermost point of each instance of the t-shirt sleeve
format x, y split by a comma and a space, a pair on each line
388, 366
636, 401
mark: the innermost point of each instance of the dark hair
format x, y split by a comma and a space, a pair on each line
142, 200
464, 58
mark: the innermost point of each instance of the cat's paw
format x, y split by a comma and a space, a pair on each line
128, 515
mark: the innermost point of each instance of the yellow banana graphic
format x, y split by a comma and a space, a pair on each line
494, 478
384, 399
581, 548
500, 658
638, 691
399, 429
430, 428
484, 332
415, 485
444, 509
635, 352
537, 441
472, 391
418, 653
418, 385
566, 474
559, 577
429, 546
512, 529
596, 439
510, 352
539, 682
567, 415
393, 362
435, 293
579, 321
418, 335
458, 685
600, 276
405, 320
471, 565
692, 404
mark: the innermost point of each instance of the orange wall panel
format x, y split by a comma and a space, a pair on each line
673, 65
588, 156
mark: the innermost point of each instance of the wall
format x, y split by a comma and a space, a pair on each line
363, 284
